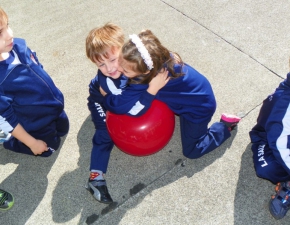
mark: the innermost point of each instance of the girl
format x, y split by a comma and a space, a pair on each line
187, 93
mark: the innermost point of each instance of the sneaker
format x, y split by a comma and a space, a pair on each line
6, 200
99, 190
280, 203
4, 136
231, 121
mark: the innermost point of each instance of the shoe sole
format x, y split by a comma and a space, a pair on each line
230, 118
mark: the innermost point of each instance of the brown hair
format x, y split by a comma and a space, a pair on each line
160, 56
101, 39
3, 17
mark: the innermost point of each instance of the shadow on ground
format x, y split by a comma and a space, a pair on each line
127, 176
29, 182
249, 185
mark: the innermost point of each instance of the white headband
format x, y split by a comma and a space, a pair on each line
143, 51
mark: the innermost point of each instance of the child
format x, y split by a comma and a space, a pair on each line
31, 106
6, 200
187, 93
103, 46
270, 139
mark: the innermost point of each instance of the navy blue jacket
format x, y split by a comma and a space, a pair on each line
273, 124
190, 95
27, 93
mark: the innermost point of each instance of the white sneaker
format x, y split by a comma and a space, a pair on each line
4, 136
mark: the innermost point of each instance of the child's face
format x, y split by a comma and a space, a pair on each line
125, 67
6, 38
109, 65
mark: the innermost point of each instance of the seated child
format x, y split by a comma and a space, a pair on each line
32, 117
270, 139
187, 93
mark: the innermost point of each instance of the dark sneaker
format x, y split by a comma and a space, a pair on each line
4, 136
280, 203
231, 121
6, 200
99, 190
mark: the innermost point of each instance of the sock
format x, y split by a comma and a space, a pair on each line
96, 175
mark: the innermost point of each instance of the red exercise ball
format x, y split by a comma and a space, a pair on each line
143, 135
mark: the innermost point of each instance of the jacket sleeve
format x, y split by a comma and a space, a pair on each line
134, 101
94, 91
8, 119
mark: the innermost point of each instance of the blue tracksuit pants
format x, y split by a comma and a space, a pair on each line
50, 135
198, 139
102, 142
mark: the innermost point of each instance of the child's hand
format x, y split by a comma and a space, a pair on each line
38, 147
158, 82
35, 145
102, 91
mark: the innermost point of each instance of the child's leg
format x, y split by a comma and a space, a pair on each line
62, 124
47, 134
266, 165
102, 147
198, 139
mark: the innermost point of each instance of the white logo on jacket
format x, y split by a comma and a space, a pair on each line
261, 155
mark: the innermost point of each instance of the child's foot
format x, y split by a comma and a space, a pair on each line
99, 190
6, 200
231, 121
4, 136
280, 203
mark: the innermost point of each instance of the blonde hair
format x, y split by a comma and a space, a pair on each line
102, 39
160, 56
3, 17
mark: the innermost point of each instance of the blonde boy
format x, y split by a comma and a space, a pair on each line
103, 45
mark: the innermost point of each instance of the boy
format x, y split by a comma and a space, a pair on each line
270, 139
103, 46
6, 200
32, 118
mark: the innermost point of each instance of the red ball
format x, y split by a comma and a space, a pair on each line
143, 135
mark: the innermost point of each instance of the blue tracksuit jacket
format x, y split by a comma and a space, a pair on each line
27, 93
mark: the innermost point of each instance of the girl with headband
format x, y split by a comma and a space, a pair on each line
187, 93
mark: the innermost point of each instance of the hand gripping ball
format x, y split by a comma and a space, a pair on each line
143, 135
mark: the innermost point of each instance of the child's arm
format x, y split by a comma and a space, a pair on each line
35, 145
136, 99
95, 94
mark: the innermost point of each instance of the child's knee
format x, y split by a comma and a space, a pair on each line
269, 173
262, 172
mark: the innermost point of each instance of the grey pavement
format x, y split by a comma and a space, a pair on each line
241, 46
